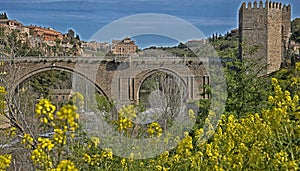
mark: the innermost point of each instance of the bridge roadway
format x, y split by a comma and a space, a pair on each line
118, 78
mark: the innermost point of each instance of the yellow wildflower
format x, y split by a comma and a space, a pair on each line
5, 161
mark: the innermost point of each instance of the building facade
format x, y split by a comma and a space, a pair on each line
125, 47
61, 95
47, 34
265, 30
5, 22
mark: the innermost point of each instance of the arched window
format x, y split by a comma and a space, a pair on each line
260, 19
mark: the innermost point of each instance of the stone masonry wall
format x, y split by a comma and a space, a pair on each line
264, 33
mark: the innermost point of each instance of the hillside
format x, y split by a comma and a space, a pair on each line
19, 40
296, 30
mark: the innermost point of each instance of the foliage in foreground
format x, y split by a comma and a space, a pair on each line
266, 140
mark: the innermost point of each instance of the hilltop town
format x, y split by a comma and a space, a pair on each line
17, 39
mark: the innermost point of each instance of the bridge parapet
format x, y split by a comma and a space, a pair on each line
100, 58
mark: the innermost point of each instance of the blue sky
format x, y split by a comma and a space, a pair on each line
88, 16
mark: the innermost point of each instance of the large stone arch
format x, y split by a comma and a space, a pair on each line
126, 83
35, 71
141, 77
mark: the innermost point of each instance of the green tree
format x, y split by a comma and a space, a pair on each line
296, 30
43, 83
246, 89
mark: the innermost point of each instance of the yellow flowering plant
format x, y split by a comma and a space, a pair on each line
5, 161
154, 129
49, 150
265, 140
125, 117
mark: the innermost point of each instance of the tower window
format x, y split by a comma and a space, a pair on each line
260, 19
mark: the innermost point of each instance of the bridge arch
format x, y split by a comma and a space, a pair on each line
36, 71
143, 76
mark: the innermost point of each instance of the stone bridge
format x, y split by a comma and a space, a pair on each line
117, 78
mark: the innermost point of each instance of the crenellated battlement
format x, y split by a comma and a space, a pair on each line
3, 15
266, 5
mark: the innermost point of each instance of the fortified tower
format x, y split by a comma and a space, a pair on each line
265, 30
3, 16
